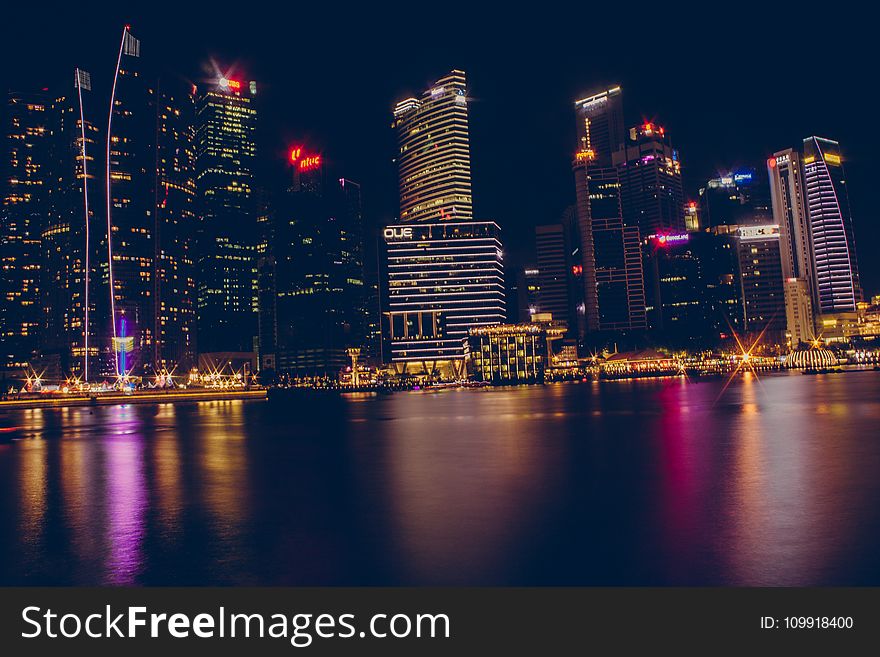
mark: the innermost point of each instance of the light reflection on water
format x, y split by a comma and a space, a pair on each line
638, 482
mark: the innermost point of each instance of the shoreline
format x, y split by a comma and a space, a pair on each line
136, 398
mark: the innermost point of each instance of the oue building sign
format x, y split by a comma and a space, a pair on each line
398, 233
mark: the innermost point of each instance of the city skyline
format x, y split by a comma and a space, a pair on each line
192, 210
720, 127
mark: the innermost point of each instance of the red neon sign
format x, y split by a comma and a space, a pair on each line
310, 162
295, 153
234, 84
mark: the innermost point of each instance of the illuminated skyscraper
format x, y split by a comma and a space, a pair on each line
444, 269
443, 278
614, 292
68, 238
762, 284
175, 287
26, 170
314, 308
795, 242
434, 162
651, 193
128, 259
836, 275
227, 232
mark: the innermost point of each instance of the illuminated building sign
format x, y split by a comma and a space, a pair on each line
665, 240
577, 270
310, 162
832, 158
393, 232
304, 161
742, 176
585, 155
758, 232
230, 84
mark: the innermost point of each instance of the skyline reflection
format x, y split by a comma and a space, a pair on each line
639, 482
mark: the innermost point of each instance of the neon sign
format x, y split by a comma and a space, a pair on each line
665, 240
310, 162
295, 153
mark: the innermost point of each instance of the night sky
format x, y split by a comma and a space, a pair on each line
731, 83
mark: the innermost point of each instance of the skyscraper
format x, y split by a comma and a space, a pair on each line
175, 287
651, 193
434, 163
314, 307
227, 232
614, 293
762, 283
553, 267
72, 231
795, 242
445, 272
129, 244
836, 275
26, 170
443, 278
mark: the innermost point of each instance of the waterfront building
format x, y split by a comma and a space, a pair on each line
649, 169
795, 240
553, 272
640, 363
434, 154
175, 211
762, 284
692, 288
444, 269
836, 272
443, 279
509, 354
614, 295
71, 232
26, 171
227, 233
315, 309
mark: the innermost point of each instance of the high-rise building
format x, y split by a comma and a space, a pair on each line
651, 193
444, 270
315, 305
614, 293
26, 170
692, 288
175, 211
762, 284
443, 278
836, 273
735, 198
795, 243
554, 271
434, 163
228, 234
72, 231
129, 244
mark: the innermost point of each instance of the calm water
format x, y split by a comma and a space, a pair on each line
775, 482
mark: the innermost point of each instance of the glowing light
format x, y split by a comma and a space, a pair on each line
771, 162
295, 153
310, 162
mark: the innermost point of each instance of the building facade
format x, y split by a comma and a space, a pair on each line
836, 272
434, 155
443, 279
763, 291
651, 191
315, 306
26, 170
227, 233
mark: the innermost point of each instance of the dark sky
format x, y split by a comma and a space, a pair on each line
731, 83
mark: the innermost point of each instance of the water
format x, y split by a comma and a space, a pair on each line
773, 481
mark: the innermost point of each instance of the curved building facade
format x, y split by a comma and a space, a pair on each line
434, 161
